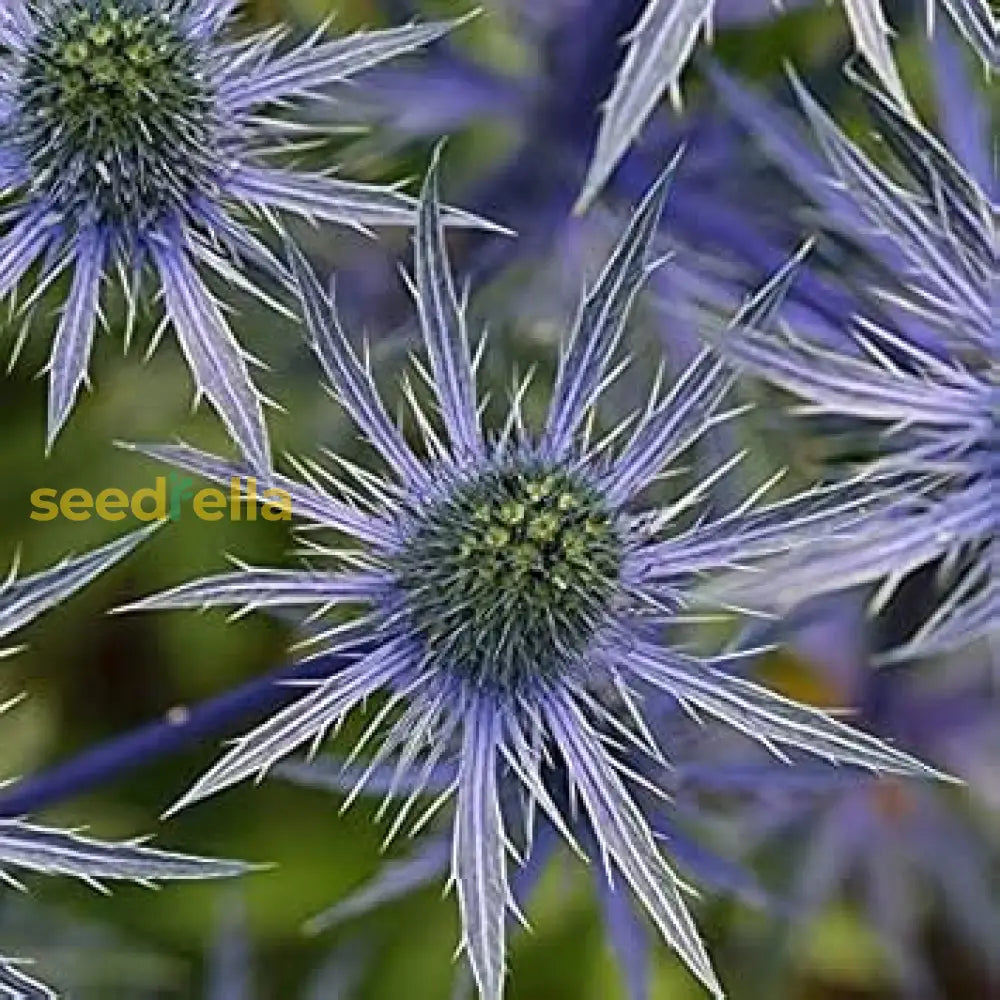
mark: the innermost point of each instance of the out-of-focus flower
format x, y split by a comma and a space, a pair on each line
903, 852
931, 382
725, 245
134, 134
516, 594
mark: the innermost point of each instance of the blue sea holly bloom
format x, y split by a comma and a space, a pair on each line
932, 382
516, 595
135, 136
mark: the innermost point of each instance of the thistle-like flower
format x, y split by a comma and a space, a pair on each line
29, 847
133, 133
517, 597
932, 381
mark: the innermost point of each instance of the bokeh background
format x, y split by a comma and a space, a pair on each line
517, 89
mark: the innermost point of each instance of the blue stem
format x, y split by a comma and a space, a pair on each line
122, 755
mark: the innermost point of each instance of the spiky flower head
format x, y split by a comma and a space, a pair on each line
517, 596
929, 374
118, 121
509, 573
134, 133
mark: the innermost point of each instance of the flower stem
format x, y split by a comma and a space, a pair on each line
110, 761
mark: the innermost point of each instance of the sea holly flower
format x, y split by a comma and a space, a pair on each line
667, 31
29, 847
932, 382
516, 595
135, 135
901, 853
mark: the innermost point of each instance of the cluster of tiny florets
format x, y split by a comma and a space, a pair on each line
115, 110
510, 577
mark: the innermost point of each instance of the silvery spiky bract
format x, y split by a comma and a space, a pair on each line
17, 984
664, 39
516, 596
29, 847
932, 381
427, 861
23, 600
134, 136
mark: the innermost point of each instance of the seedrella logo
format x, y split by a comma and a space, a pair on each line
167, 498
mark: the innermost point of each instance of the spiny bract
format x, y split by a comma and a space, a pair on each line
426, 860
133, 133
535, 685
664, 37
